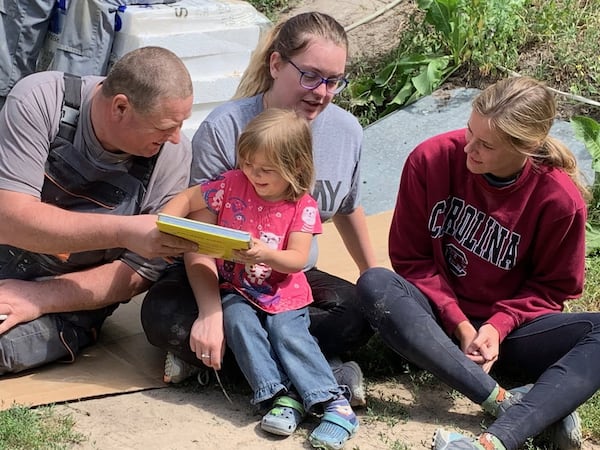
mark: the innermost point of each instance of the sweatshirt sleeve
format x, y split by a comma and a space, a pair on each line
412, 253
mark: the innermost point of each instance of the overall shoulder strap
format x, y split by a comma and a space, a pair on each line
70, 108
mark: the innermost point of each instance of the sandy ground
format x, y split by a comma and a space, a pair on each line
201, 418
399, 415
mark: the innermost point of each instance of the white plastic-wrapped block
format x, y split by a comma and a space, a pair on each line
189, 15
214, 38
208, 93
189, 43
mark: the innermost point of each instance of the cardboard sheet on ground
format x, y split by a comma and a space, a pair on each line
333, 257
123, 360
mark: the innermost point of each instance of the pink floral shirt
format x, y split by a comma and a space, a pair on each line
237, 206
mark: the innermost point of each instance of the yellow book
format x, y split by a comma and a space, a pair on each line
212, 240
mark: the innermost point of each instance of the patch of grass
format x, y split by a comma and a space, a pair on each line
390, 411
590, 417
390, 444
590, 301
386, 409
23, 428
397, 445
566, 34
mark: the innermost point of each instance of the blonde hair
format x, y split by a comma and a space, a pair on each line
288, 38
286, 139
522, 109
146, 76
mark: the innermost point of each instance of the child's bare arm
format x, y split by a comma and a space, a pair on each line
185, 203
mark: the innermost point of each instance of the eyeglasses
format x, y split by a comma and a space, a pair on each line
311, 81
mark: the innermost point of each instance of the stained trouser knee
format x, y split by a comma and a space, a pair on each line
371, 288
336, 319
154, 327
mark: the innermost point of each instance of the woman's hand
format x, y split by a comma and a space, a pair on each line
480, 346
207, 340
486, 346
465, 333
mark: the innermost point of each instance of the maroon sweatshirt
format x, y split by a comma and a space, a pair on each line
504, 255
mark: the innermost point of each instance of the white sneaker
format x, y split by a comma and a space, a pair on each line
177, 370
350, 374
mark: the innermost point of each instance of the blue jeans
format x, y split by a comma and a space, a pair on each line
276, 353
169, 310
560, 352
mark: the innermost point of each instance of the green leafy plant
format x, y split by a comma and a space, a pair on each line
448, 18
270, 8
401, 82
587, 130
454, 33
482, 33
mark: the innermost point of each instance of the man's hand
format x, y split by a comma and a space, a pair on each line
141, 235
18, 302
28, 223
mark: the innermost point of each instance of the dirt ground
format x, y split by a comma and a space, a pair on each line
373, 30
181, 418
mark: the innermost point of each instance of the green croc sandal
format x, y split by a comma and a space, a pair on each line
284, 417
333, 432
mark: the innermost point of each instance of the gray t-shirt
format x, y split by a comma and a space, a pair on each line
337, 147
29, 123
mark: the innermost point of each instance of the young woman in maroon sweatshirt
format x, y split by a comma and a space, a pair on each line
487, 242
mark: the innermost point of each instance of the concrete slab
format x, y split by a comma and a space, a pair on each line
388, 142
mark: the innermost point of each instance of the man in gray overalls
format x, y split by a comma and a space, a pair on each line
85, 163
